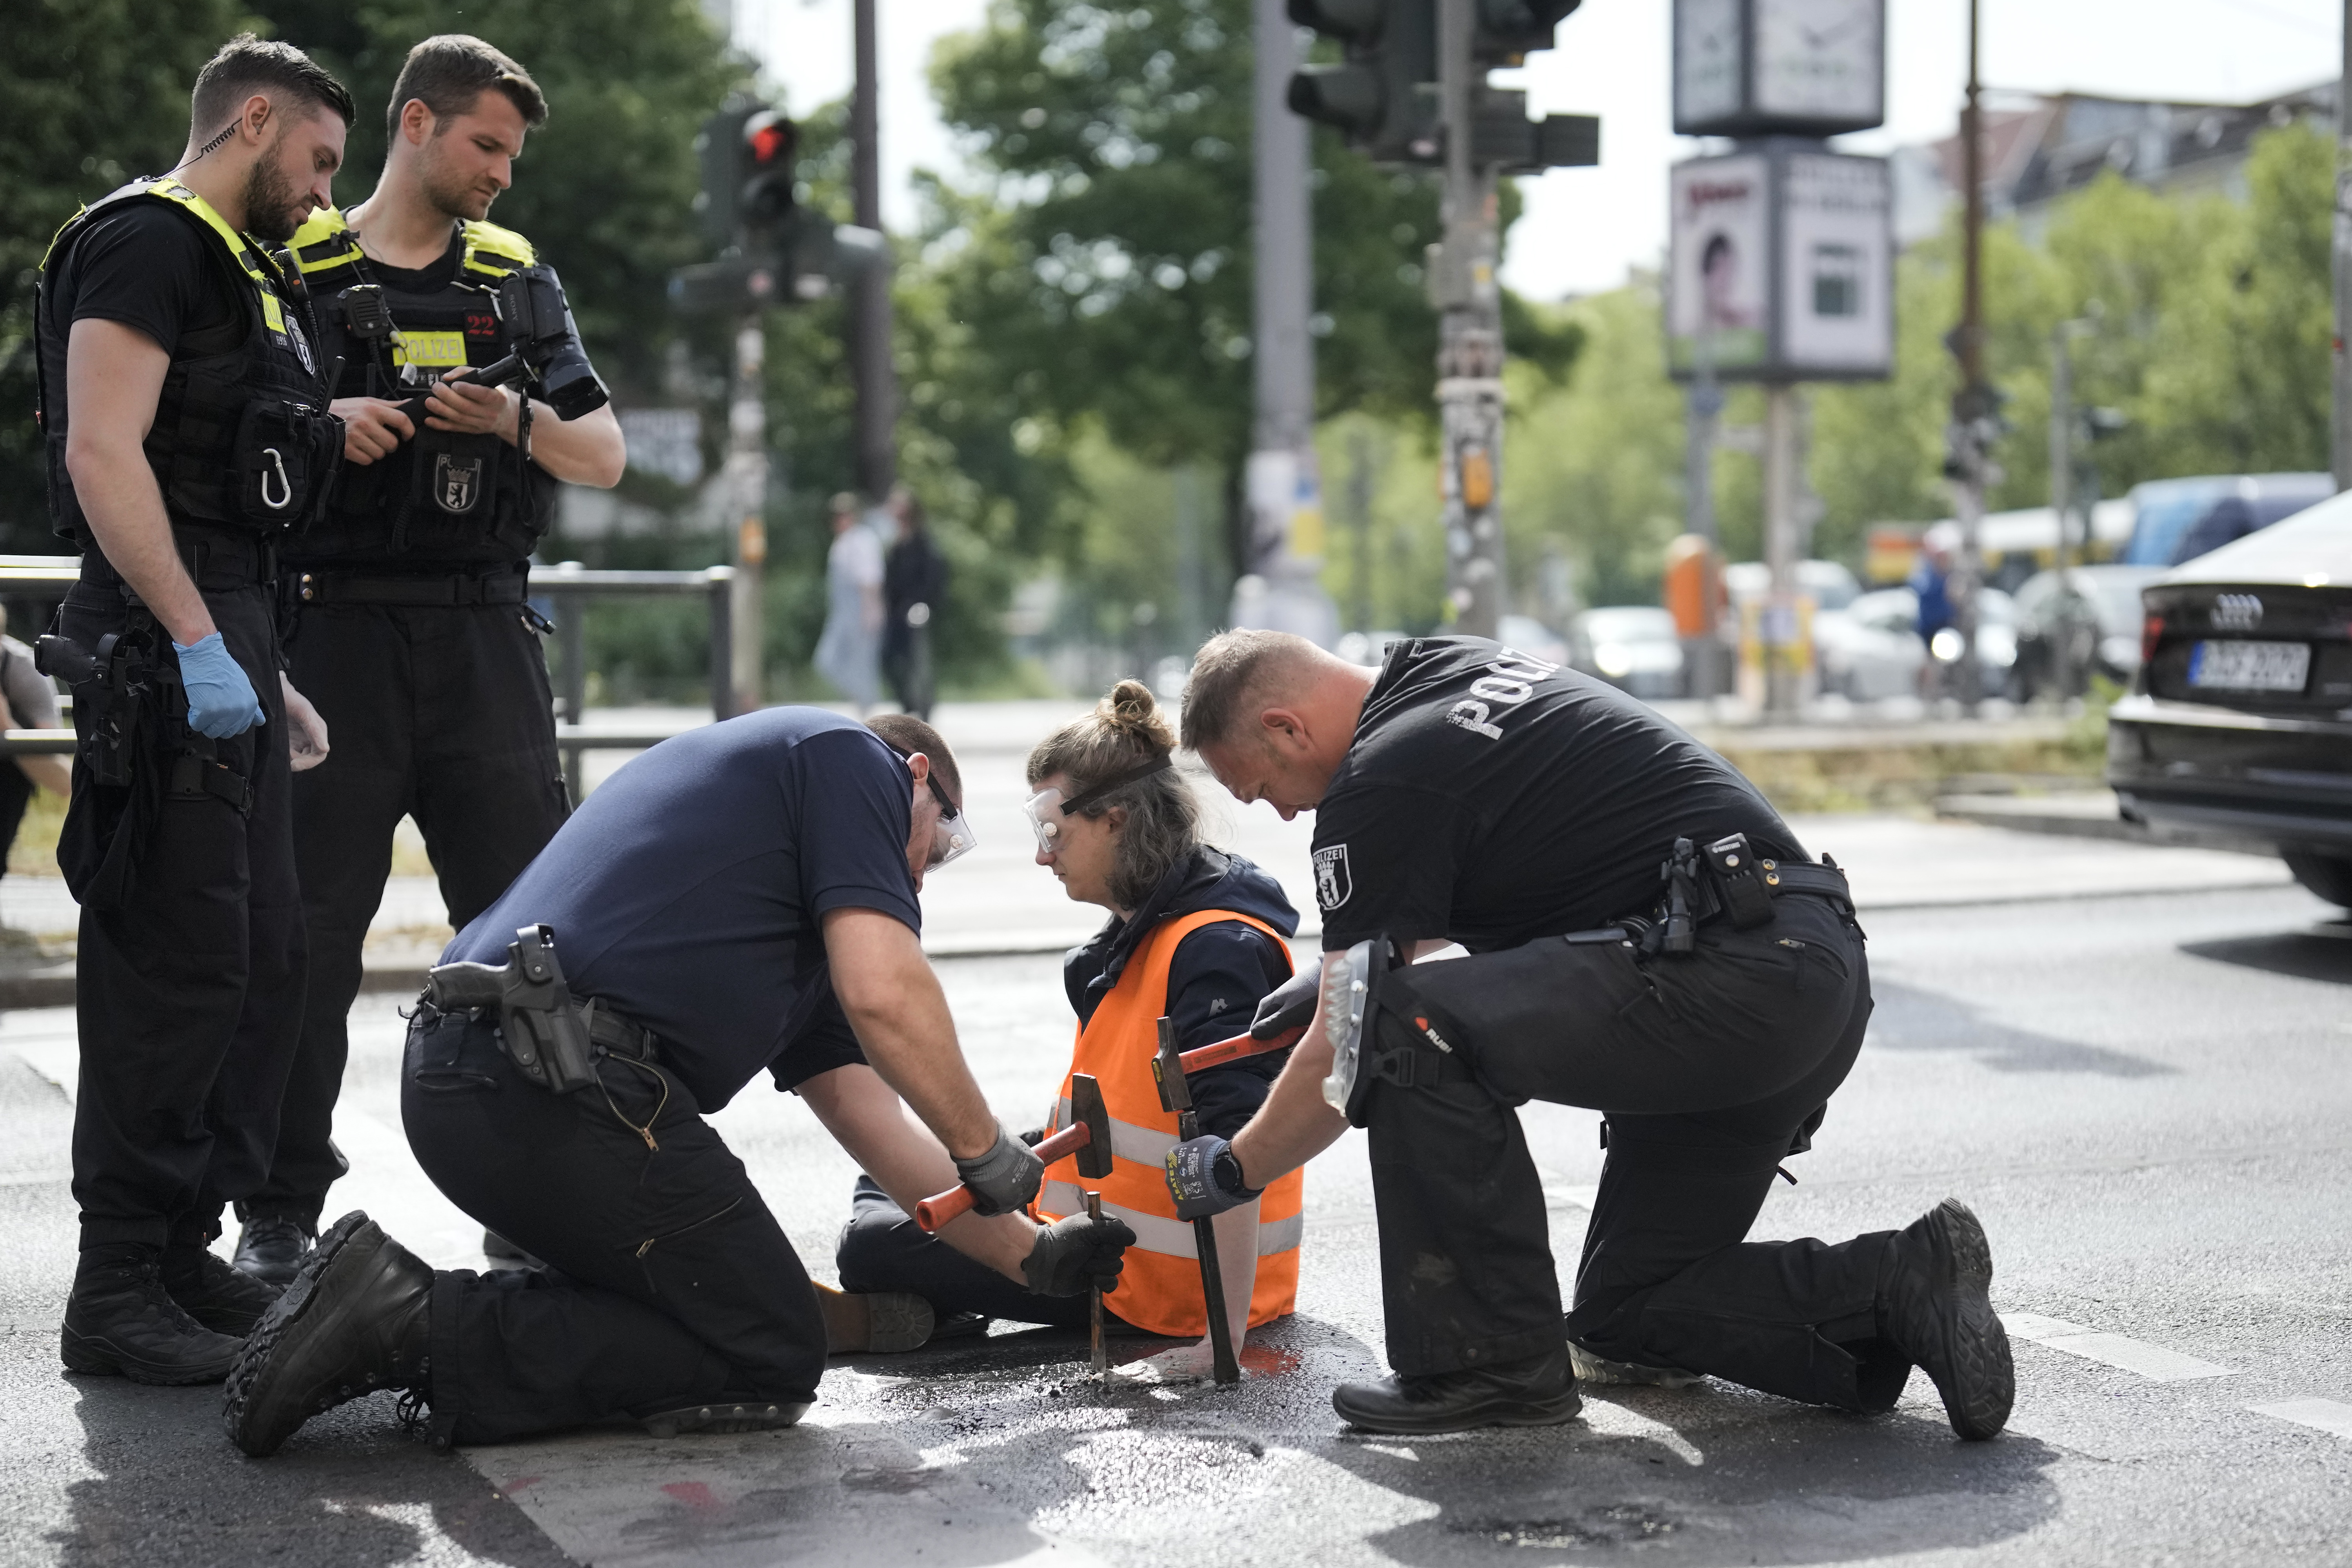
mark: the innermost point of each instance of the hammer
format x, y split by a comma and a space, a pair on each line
1176, 1095
1234, 1049
1087, 1136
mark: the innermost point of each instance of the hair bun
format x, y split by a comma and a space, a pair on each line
1133, 711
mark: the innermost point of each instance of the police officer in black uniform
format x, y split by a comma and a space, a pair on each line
410, 631
184, 419
1647, 938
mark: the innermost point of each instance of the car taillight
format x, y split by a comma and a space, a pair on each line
2151, 632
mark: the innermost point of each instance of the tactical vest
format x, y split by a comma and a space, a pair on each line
442, 499
241, 441
1160, 1287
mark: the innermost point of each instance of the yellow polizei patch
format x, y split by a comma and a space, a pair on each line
430, 350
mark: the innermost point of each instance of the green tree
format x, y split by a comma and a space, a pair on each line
92, 93
1111, 281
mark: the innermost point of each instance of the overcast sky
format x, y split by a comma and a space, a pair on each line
1584, 227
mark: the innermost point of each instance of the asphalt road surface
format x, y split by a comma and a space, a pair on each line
2145, 1096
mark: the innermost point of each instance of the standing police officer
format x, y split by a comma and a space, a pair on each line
410, 629
183, 412
1465, 793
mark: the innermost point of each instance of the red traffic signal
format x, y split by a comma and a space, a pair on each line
771, 139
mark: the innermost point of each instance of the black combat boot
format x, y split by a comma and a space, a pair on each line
353, 1321
1933, 1306
120, 1320
271, 1245
1537, 1392
214, 1294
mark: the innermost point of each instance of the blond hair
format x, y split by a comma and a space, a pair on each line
1126, 732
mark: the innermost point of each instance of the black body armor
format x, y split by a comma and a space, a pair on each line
442, 499
241, 442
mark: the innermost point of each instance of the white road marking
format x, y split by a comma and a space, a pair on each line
2151, 1362
56, 1057
2329, 1416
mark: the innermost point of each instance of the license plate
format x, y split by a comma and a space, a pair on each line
2250, 666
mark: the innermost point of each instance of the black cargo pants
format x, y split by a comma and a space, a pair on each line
189, 997
439, 713
670, 1284
1709, 1068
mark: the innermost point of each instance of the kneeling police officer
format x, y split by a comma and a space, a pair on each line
408, 625
185, 418
739, 900
1646, 938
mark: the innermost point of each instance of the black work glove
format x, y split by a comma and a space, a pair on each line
1034, 1136
1078, 1253
1289, 1005
1004, 1178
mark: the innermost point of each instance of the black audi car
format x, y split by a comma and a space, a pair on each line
2241, 725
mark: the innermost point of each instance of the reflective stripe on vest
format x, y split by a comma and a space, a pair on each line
1160, 1288
273, 313
325, 242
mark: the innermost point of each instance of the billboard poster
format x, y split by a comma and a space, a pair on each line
1719, 294
1781, 265
1836, 266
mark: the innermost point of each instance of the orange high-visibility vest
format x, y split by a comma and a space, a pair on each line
1160, 1287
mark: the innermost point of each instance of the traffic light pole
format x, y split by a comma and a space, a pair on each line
1971, 427
870, 295
1470, 342
2340, 425
747, 461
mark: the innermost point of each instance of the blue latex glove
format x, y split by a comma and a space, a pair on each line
1204, 1178
221, 702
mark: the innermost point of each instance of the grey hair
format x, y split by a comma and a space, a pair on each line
1125, 732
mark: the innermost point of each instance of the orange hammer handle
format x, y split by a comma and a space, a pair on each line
1237, 1047
935, 1211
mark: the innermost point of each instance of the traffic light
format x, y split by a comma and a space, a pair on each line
748, 152
1504, 32
1384, 98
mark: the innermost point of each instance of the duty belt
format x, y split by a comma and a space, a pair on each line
613, 1035
454, 590
1726, 879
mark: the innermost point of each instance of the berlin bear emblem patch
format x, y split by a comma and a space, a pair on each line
456, 483
1333, 883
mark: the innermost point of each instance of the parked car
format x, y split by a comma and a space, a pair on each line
1873, 648
2177, 520
1530, 636
2092, 612
1634, 647
2241, 724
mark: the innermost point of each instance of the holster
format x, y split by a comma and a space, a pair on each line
553, 1039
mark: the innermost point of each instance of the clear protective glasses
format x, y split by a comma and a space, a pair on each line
1044, 812
953, 838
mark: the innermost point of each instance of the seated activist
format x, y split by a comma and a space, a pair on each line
739, 900
1195, 934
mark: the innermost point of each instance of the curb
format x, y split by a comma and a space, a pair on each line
2084, 814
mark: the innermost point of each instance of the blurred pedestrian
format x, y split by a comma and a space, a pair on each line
848, 652
1931, 578
914, 585
28, 701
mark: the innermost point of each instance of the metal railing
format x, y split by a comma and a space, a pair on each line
568, 586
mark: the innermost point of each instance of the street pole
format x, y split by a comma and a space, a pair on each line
746, 429
1469, 345
1780, 627
1705, 409
2340, 425
1972, 403
2061, 498
869, 294
1359, 519
1282, 488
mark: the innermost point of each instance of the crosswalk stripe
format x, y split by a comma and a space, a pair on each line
2329, 1416
2151, 1362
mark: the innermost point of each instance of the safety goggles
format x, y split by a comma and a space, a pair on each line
954, 838
1047, 810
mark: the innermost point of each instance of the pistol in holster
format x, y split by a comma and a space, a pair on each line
109, 683
541, 1029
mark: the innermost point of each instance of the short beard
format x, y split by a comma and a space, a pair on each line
272, 206
453, 200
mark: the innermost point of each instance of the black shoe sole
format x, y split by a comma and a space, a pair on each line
95, 1358
1553, 1412
1980, 1384
719, 1419
284, 1313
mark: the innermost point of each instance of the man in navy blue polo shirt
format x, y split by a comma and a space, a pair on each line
739, 900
